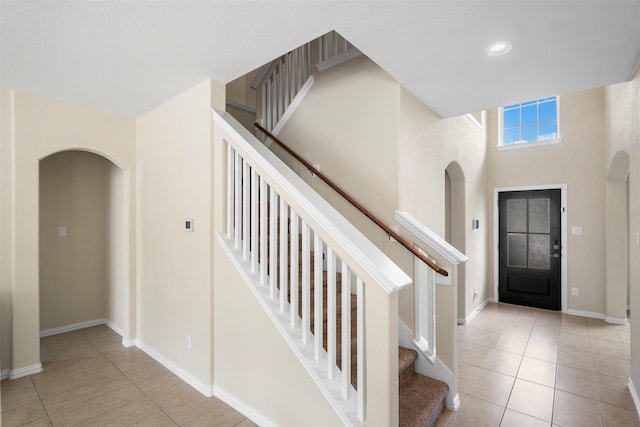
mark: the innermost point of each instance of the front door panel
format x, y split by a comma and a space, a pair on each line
529, 248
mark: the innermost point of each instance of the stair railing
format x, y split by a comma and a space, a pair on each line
278, 83
416, 252
267, 207
281, 84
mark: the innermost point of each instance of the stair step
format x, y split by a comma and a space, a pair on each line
406, 359
422, 401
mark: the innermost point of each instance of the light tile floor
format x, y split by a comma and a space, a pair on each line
90, 379
524, 367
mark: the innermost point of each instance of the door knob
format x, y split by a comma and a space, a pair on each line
556, 255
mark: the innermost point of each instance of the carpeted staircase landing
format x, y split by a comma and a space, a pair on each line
422, 399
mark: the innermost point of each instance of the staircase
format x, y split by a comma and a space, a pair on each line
285, 239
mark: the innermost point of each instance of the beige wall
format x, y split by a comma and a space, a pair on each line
428, 146
75, 271
173, 152
622, 115
40, 127
576, 162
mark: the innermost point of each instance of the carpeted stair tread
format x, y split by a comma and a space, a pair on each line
422, 401
406, 358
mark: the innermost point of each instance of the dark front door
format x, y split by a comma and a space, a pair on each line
529, 248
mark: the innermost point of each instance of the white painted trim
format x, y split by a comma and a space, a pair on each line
456, 403
4, 375
23, 372
205, 389
72, 327
293, 106
348, 242
239, 406
534, 144
474, 313
129, 343
474, 121
616, 320
563, 237
583, 313
242, 107
424, 233
115, 328
634, 395
338, 59
424, 366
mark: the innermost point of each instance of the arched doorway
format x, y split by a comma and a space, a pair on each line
617, 239
455, 225
82, 242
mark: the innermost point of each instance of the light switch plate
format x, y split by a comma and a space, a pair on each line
62, 231
188, 224
577, 230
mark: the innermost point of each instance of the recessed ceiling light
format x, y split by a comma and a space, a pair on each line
500, 48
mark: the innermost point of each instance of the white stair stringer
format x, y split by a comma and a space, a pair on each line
346, 409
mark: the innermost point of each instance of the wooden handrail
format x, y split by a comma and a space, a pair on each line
353, 202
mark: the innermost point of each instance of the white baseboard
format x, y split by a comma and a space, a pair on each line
474, 313
72, 327
456, 403
23, 372
129, 343
634, 395
239, 406
615, 320
4, 374
583, 313
205, 389
115, 328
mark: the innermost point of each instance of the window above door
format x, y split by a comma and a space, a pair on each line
529, 123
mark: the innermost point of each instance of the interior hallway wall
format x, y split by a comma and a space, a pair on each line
75, 276
34, 128
622, 115
577, 162
174, 163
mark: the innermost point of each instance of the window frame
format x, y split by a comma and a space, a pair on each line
501, 146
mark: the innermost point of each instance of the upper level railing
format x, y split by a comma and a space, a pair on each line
277, 231
356, 204
281, 83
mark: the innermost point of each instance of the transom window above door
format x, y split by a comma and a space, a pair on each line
530, 121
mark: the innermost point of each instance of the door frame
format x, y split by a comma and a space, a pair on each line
563, 236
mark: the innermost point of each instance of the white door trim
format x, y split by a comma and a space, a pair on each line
563, 236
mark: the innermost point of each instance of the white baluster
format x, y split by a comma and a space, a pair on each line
230, 190
317, 296
331, 313
346, 330
238, 199
335, 44
255, 179
246, 190
273, 242
264, 229
306, 283
362, 381
294, 235
284, 257
285, 85
268, 107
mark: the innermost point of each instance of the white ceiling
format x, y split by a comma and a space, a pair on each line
127, 57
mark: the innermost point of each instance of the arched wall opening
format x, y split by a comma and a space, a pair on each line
455, 224
617, 239
83, 266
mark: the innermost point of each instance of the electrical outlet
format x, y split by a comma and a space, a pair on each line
575, 292
475, 294
187, 342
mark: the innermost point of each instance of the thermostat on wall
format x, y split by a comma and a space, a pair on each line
188, 224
